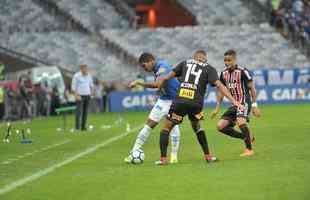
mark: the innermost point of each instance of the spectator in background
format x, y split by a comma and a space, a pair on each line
275, 12
26, 97
82, 87
55, 100
98, 96
2, 71
48, 99
40, 95
69, 96
104, 97
1, 103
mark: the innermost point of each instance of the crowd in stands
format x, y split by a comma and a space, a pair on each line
25, 100
292, 17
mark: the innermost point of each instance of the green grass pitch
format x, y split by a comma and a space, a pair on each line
84, 166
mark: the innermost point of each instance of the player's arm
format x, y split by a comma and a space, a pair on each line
156, 84
162, 79
256, 112
227, 94
143, 84
177, 71
219, 99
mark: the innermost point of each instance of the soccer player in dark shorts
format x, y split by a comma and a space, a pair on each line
194, 75
240, 84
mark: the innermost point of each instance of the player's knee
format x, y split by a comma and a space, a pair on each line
195, 128
241, 122
165, 131
152, 124
220, 127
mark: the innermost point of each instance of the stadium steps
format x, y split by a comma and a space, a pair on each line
124, 9
69, 50
256, 44
220, 12
53, 9
105, 43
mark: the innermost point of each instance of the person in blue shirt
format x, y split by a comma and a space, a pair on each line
167, 93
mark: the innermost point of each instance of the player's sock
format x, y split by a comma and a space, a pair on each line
202, 139
247, 139
164, 141
230, 131
175, 140
142, 137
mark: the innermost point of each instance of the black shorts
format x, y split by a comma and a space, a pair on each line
179, 109
233, 112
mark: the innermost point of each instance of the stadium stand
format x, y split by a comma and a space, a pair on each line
69, 49
93, 14
219, 11
258, 45
26, 17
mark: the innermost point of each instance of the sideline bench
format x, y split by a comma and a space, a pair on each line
64, 111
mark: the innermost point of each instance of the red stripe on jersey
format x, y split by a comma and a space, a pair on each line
235, 84
240, 88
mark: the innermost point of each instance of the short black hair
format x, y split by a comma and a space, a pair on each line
146, 57
200, 51
230, 52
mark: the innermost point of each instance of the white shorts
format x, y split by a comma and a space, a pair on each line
160, 110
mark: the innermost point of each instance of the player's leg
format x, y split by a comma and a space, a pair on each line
174, 135
155, 116
227, 122
158, 112
227, 127
175, 143
202, 139
142, 137
144, 134
242, 124
174, 117
164, 141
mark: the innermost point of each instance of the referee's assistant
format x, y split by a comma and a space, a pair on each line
82, 87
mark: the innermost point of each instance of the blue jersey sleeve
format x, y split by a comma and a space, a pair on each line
163, 71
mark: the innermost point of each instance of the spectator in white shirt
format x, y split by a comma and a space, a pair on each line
82, 87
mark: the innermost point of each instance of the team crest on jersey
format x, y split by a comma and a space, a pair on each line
161, 70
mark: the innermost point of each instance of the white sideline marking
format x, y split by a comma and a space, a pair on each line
11, 186
35, 151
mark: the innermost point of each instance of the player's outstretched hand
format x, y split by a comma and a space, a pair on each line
132, 84
135, 83
256, 112
239, 105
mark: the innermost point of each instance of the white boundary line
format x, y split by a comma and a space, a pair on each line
11, 186
10, 160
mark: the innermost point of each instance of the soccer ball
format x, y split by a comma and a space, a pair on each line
137, 156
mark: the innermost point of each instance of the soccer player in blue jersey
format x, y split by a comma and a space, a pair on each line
167, 93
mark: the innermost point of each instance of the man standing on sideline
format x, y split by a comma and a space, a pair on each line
82, 87
240, 84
